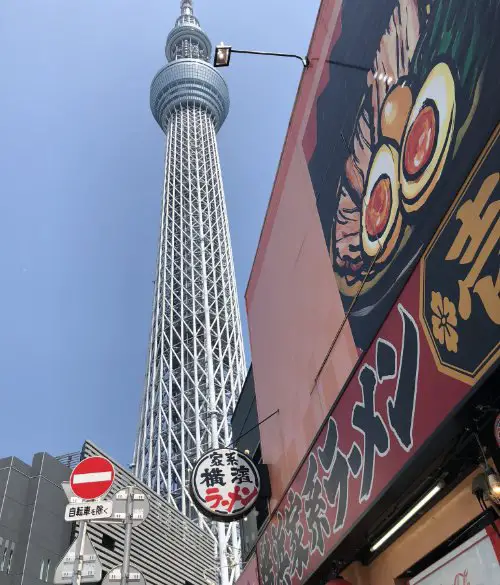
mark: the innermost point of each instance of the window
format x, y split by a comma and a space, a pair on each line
4, 556
47, 571
108, 542
10, 558
41, 570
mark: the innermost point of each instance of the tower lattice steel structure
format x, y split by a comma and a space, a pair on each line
196, 363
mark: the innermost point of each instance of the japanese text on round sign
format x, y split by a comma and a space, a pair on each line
225, 484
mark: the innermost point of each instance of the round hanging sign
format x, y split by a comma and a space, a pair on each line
224, 484
497, 429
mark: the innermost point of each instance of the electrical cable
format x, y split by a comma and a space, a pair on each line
481, 449
346, 316
351, 306
254, 427
245, 421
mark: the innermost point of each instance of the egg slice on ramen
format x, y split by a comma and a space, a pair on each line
381, 219
427, 137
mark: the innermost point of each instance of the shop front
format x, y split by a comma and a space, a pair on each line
374, 305
395, 488
389, 488
400, 475
456, 529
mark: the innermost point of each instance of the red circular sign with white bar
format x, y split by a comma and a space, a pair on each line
92, 478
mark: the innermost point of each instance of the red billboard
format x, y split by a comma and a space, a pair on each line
420, 366
377, 264
372, 162
402, 172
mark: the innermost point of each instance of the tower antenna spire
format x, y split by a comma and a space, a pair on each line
186, 7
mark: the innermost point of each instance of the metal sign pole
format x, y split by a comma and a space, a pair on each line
128, 535
130, 508
78, 565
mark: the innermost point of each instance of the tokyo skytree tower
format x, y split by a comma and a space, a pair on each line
196, 363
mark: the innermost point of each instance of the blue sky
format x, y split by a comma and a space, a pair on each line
80, 185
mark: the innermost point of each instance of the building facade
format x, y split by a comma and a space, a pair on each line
167, 547
246, 438
379, 252
33, 534
196, 363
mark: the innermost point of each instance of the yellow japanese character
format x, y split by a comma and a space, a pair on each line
477, 239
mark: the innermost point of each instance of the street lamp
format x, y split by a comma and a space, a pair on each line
223, 56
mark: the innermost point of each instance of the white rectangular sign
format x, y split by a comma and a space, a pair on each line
472, 563
116, 576
88, 511
92, 477
87, 571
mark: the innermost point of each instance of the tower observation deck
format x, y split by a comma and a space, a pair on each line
196, 363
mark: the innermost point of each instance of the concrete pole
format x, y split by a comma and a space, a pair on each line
128, 535
78, 565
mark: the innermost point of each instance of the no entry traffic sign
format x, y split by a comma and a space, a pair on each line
92, 478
